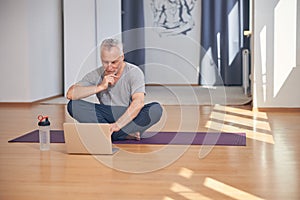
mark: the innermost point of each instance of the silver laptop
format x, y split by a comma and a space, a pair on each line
88, 138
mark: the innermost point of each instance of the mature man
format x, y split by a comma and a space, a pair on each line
120, 89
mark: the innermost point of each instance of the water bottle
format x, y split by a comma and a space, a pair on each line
44, 132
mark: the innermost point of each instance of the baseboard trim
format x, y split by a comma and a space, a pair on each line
48, 98
277, 109
172, 84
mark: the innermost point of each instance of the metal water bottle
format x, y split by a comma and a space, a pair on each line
44, 132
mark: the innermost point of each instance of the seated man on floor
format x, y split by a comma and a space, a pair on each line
120, 88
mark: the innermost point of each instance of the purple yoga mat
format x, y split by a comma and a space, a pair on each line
56, 136
184, 138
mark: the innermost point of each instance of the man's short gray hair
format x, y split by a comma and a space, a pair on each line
108, 43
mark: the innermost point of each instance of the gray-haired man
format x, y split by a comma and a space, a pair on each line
120, 88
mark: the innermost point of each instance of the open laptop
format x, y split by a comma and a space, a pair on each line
88, 138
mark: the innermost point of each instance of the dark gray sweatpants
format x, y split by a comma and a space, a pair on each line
87, 112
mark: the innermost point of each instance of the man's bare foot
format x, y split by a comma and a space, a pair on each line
134, 136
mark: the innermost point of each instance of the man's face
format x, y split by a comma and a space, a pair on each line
112, 60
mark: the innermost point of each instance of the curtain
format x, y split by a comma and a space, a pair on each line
222, 25
133, 32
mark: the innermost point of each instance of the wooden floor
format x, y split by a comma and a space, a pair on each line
268, 167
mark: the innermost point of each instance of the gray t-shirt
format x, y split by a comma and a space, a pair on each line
131, 81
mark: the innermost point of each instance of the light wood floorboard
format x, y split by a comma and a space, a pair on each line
266, 168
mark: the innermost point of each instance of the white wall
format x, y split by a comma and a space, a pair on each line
79, 39
276, 69
109, 21
31, 50
298, 34
86, 24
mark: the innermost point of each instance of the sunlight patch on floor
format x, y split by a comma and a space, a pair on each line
249, 113
228, 119
251, 134
167, 198
186, 173
261, 137
240, 121
187, 192
229, 190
